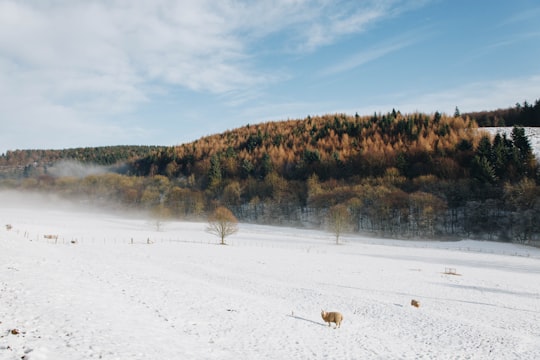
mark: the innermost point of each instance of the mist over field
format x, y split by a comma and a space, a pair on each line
70, 168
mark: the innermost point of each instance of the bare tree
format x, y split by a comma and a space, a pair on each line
338, 220
159, 215
222, 223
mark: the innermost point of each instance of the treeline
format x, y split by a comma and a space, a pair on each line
412, 175
332, 146
346, 147
31, 163
521, 115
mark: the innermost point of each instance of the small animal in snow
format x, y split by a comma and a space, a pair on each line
332, 317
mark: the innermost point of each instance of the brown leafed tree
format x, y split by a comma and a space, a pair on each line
222, 223
339, 220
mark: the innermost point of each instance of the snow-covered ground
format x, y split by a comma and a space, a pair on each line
184, 297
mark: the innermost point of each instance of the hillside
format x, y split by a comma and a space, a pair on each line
397, 175
34, 162
332, 147
524, 114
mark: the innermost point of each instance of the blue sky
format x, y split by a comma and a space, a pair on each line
94, 73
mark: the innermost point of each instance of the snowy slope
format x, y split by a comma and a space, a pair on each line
533, 133
183, 297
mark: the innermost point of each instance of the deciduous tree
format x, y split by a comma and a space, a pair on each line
222, 223
338, 220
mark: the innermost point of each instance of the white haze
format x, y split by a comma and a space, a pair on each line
71, 168
81, 284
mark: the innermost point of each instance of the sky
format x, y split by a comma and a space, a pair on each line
84, 73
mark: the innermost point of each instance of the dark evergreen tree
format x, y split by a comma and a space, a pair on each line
499, 155
483, 170
523, 152
215, 175
484, 148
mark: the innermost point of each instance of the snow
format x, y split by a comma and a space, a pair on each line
532, 133
176, 294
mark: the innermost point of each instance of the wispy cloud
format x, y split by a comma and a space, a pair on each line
509, 41
531, 14
78, 63
335, 24
332, 21
113, 50
103, 50
367, 55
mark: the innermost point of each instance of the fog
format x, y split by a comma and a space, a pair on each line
70, 168
50, 202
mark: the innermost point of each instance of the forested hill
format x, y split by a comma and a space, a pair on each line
394, 174
525, 114
399, 175
28, 163
347, 147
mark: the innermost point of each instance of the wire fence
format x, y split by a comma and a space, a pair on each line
156, 238
316, 246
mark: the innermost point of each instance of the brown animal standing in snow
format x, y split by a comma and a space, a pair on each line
415, 303
332, 317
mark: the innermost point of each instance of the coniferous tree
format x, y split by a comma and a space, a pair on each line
523, 151
215, 176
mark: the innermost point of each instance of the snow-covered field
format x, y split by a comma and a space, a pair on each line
184, 297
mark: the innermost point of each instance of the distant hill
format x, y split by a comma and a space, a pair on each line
521, 115
28, 163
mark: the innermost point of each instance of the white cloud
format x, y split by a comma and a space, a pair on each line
336, 20
103, 48
69, 66
334, 24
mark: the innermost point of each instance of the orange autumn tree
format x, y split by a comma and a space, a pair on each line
222, 223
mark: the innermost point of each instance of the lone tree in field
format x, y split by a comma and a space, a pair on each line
338, 220
222, 223
159, 215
